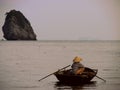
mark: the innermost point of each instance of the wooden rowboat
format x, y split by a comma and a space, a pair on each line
65, 76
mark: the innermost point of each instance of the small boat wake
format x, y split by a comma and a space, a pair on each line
89, 85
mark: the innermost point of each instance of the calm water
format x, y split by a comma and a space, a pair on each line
23, 63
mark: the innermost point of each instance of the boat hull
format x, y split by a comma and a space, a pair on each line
66, 77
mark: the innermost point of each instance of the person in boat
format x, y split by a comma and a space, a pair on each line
77, 67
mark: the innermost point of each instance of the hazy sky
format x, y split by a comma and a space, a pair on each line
68, 19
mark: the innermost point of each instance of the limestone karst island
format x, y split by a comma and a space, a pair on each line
17, 27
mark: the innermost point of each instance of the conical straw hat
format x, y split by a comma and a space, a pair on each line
77, 59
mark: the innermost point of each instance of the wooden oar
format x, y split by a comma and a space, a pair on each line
53, 73
98, 76
101, 78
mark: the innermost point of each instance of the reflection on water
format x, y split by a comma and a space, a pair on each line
91, 85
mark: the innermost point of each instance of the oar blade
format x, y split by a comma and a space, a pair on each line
101, 78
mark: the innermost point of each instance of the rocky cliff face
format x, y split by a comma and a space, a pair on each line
17, 27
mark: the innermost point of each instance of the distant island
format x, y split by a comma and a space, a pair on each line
17, 27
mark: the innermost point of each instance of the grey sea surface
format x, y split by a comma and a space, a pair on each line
23, 63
